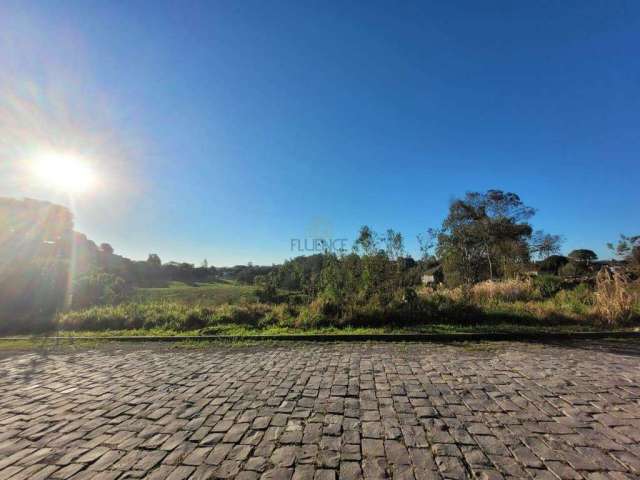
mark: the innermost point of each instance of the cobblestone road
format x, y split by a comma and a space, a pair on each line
323, 411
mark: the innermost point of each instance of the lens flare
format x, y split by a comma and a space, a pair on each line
64, 172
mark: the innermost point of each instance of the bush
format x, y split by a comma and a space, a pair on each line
454, 307
547, 285
268, 294
247, 314
409, 296
282, 315
99, 289
553, 264
309, 317
573, 269
578, 300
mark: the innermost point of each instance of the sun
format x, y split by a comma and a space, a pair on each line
65, 172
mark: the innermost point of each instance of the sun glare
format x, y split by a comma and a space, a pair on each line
64, 172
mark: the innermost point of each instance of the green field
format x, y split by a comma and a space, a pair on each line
203, 294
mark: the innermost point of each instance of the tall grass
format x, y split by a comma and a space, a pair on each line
173, 316
515, 301
615, 302
506, 291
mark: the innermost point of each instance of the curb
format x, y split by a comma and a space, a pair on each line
418, 337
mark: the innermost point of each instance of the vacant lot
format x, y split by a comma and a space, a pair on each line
205, 294
500, 410
228, 308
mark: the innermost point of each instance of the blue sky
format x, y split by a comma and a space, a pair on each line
221, 130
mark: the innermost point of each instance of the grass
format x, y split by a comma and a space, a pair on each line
203, 294
436, 328
229, 309
43, 345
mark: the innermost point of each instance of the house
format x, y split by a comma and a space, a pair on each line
433, 276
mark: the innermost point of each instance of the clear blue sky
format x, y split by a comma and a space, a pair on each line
224, 129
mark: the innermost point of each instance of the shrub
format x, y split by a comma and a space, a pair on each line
409, 296
309, 318
98, 289
547, 285
282, 315
268, 294
614, 300
196, 319
578, 300
448, 307
553, 264
248, 314
573, 269
326, 307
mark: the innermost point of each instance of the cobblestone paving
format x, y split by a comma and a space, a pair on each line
323, 411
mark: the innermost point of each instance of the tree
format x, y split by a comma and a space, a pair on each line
573, 269
484, 235
544, 245
394, 244
154, 260
36, 244
205, 263
106, 248
553, 264
583, 255
627, 248
426, 243
367, 241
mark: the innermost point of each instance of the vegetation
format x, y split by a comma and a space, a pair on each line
583, 255
512, 305
628, 250
485, 236
203, 294
483, 269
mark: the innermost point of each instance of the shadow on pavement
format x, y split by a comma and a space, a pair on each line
618, 346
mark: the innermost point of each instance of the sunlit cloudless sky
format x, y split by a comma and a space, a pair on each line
222, 130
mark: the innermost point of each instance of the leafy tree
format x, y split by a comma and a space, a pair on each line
36, 240
574, 269
394, 244
367, 241
627, 248
154, 260
583, 255
484, 235
544, 245
106, 248
426, 243
553, 264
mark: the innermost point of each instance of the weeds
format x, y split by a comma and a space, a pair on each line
515, 302
506, 291
614, 300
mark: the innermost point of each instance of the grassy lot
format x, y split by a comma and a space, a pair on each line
203, 294
230, 309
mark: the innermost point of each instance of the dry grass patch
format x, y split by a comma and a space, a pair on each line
615, 301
